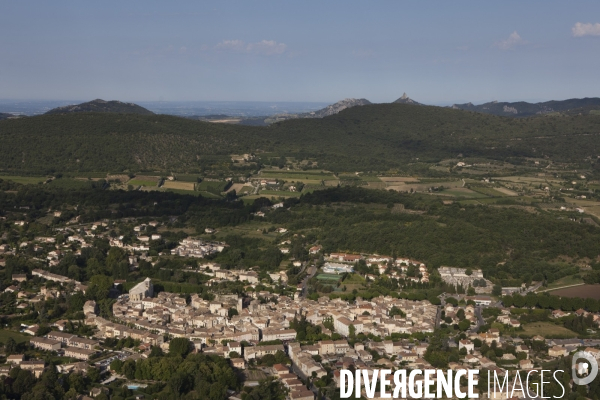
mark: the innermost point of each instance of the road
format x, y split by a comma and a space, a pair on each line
311, 272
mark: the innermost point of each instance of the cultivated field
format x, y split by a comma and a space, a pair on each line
398, 179
26, 180
547, 330
506, 191
179, 185
583, 291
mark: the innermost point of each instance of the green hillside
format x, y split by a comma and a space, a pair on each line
371, 137
102, 106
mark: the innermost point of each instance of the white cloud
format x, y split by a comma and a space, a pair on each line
264, 47
581, 29
234, 45
513, 40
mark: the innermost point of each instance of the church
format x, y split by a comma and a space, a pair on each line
141, 290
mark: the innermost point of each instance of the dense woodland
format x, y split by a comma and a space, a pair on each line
369, 138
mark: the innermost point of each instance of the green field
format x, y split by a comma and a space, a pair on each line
26, 180
547, 330
487, 191
462, 192
67, 183
18, 337
303, 176
187, 178
140, 182
562, 282
211, 186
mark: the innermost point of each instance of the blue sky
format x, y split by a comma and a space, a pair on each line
438, 52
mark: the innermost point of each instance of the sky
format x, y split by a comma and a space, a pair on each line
438, 52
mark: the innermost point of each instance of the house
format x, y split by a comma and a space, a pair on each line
250, 277
302, 394
557, 351
11, 289
466, 344
35, 366
45, 344
342, 325
32, 330
238, 363
15, 359
19, 277
525, 364
90, 307
481, 300
315, 249
281, 369
80, 354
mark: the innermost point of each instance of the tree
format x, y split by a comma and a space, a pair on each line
352, 332
99, 287
464, 325
11, 346
497, 290
117, 366
231, 312
128, 369
179, 383
268, 389
179, 347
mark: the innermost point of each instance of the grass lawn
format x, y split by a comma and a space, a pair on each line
18, 337
26, 180
354, 279
565, 281
547, 329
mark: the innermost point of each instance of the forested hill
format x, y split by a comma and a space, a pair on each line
524, 109
102, 106
370, 137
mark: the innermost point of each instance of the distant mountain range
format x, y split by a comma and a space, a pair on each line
102, 106
506, 109
524, 109
324, 112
